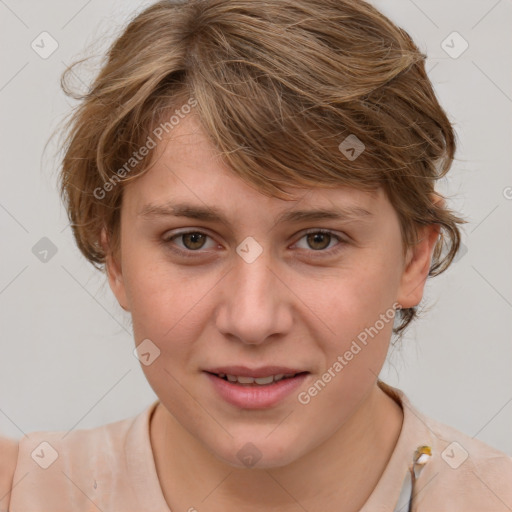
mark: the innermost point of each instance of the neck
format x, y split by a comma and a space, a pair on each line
340, 474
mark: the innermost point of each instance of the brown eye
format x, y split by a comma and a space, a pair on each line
193, 240
190, 244
319, 240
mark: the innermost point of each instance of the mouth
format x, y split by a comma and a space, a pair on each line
256, 381
259, 388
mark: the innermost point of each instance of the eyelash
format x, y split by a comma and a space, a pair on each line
167, 241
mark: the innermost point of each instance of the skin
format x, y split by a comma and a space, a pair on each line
299, 304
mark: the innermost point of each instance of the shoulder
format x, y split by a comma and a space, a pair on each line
464, 473
80, 464
8, 460
74, 448
472, 463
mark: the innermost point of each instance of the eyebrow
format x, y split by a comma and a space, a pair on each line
213, 214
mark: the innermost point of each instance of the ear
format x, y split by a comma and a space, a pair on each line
114, 272
417, 265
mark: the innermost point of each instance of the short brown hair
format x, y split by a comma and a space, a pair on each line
277, 87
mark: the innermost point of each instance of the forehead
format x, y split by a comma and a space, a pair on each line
188, 172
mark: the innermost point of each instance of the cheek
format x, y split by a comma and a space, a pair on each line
360, 315
166, 301
358, 294
356, 304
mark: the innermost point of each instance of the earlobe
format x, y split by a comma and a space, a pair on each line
114, 272
417, 266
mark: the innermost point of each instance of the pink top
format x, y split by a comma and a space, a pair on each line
111, 468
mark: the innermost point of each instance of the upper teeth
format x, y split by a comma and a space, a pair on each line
258, 380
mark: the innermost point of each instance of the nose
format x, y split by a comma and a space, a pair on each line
256, 303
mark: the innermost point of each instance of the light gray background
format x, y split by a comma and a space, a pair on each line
66, 359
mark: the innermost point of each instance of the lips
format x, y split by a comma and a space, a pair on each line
255, 395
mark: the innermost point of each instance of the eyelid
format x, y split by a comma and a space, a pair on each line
167, 240
342, 240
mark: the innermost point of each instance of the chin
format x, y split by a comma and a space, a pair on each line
250, 453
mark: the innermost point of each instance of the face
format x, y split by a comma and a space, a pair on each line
224, 280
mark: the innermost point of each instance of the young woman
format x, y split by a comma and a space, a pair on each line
258, 180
